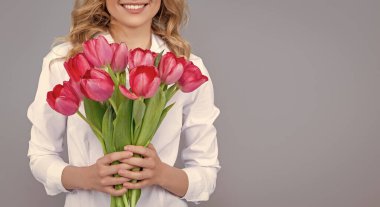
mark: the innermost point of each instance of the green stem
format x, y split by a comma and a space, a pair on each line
125, 199
97, 132
120, 199
113, 201
135, 192
112, 74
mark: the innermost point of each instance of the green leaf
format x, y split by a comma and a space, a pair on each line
138, 115
154, 108
107, 129
163, 115
94, 112
171, 91
117, 97
158, 59
122, 126
135, 196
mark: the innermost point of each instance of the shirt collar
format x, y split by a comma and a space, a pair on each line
157, 43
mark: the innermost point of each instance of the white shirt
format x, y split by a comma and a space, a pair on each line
191, 118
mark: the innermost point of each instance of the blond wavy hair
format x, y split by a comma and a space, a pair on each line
90, 17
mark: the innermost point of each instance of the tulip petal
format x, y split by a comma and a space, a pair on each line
139, 83
191, 86
63, 99
139, 57
152, 88
97, 85
127, 93
120, 58
99, 74
148, 60
66, 106
76, 87
191, 78
69, 91
77, 66
175, 74
90, 52
57, 90
96, 89
51, 99
103, 50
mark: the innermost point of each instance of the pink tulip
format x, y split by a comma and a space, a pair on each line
170, 68
77, 66
98, 51
191, 78
96, 84
76, 88
63, 99
138, 57
120, 57
144, 82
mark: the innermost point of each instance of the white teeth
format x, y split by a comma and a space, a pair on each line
129, 6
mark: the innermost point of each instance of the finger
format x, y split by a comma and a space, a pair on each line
140, 162
127, 166
150, 146
110, 181
146, 152
138, 185
112, 157
112, 191
140, 175
113, 169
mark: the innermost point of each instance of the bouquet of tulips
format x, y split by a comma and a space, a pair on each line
119, 114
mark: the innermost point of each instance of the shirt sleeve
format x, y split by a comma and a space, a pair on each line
47, 131
200, 152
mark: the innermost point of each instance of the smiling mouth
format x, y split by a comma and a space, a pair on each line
134, 6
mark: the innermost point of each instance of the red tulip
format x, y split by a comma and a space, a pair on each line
77, 66
138, 57
63, 99
96, 84
120, 57
144, 82
191, 78
171, 68
98, 51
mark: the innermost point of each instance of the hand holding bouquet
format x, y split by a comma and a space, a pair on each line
125, 93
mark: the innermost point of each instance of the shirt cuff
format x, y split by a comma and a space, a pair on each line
195, 185
54, 184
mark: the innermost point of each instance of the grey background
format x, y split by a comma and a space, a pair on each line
297, 83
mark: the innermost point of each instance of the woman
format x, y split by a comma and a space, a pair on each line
87, 179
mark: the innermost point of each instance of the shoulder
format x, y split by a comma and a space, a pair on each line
53, 61
58, 51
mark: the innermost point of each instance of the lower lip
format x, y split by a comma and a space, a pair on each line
135, 11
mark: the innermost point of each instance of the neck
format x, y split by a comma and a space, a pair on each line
133, 37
